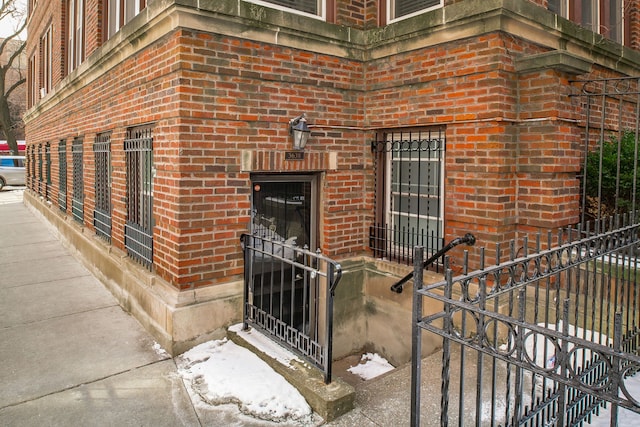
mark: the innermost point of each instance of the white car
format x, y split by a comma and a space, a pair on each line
12, 171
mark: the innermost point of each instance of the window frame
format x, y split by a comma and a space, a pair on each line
323, 7
46, 62
390, 6
118, 13
573, 10
75, 34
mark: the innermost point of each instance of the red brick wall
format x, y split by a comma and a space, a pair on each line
511, 153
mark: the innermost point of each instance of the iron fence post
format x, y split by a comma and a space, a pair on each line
416, 336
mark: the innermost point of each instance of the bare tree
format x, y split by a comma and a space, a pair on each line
11, 48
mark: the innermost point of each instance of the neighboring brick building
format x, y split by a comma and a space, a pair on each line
161, 126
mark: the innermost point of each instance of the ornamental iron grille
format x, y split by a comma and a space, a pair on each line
47, 168
32, 168
610, 126
40, 175
77, 195
102, 210
548, 334
289, 293
62, 177
138, 232
409, 171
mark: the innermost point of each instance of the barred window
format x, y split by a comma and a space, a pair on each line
47, 170
77, 199
409, 192
102, 210
62, 177
138, 148
40, 176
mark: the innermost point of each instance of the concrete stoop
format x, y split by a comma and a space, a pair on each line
330, 401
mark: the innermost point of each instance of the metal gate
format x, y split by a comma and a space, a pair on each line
289, 294
550, 337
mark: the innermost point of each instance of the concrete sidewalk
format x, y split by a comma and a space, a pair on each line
70, 355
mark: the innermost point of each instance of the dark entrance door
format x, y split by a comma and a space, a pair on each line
283, 209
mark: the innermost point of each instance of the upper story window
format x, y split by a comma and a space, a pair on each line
119, 13
313, 8
46, 62
606, 17
75, 34
401, 9
32, 82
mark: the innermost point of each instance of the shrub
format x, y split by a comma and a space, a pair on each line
613, 176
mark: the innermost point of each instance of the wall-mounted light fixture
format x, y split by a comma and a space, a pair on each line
299, 131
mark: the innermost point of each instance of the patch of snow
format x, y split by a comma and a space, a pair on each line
221, 372
541, 351
266, 345
371, 365
159, 350
625, 416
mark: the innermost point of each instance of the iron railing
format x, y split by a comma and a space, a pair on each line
289, 295
102, 210
77, 195
62, 175
543, 338
138, 231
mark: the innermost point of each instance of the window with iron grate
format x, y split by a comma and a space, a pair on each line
409, 192
62, 175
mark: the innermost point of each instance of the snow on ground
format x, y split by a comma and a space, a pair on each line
371, 365
625, 416
218, 373
542, 351
221, 372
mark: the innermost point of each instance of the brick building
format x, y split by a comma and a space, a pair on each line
158, 133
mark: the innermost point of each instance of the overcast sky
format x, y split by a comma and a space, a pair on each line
8, 25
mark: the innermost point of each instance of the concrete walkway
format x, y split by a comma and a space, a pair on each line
69, 354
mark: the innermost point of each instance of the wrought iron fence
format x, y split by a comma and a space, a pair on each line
610, 125
549, 336
138, 231
77, 195
289, 295
102, 210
